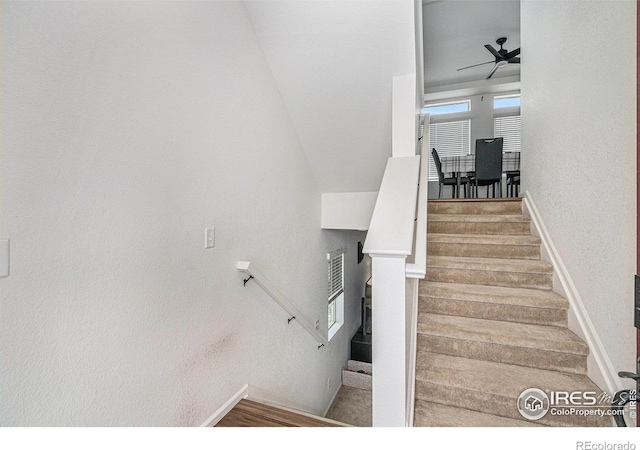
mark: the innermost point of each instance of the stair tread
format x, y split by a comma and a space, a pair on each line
539, 337
535, 298
493, 218
506, 380
429, 414
490, 264
488, 239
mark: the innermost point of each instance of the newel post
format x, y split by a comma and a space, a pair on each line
388, 340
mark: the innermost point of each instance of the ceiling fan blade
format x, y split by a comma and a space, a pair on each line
494, 52
514, 60
492, 71
512, 54
475, 65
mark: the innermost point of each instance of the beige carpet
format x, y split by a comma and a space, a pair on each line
490, 325
351, 406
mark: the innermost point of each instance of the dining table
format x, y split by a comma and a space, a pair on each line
459, 166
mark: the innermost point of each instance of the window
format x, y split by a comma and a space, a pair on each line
506, 101
335, 310
449, 139
449, 130
508, 127
447, 108
506, 121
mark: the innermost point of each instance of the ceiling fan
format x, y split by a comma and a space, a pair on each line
503, 57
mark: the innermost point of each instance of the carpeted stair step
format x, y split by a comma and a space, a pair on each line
479, 206
494, 388
532, 274
484, 246
532, 306
479, 224
538, 346
429, 414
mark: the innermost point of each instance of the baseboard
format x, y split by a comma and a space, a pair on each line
333, 399
263, 396
259, 395
599, 367
228, 406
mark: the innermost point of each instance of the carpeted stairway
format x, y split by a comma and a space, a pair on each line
489, 325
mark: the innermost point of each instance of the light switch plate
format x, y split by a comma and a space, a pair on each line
209, 237
4, 258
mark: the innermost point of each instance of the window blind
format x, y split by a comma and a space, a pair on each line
336, 274
508, 127
449, 139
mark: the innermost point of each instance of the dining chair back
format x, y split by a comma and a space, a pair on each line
451, 181
488, 164
436, 160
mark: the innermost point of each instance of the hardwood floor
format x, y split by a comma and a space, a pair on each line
252, 414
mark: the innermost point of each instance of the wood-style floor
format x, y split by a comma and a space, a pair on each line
251, 414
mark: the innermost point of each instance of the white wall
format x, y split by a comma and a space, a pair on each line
333, 61
579, 151
347, 210
129, 127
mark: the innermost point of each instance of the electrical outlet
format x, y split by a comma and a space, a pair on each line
209, 237
329, 383
317, 324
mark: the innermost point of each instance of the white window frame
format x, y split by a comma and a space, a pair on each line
512, 139
505, 97
512, 144
427, 109
465, 148
439, 119
335, 305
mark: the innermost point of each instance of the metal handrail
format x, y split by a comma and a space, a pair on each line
257, 276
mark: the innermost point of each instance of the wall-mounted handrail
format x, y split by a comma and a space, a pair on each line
418, 268
257, 276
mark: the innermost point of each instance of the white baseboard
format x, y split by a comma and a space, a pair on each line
333, 399
268, 398
228, 406
263, 396
599, 367
259, 395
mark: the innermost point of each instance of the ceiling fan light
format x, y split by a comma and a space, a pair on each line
501, 63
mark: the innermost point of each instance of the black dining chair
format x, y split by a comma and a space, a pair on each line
451, 181
513, 183
488, 166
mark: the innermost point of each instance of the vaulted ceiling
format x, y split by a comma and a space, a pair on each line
455, 34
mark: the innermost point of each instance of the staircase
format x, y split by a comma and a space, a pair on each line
489, 325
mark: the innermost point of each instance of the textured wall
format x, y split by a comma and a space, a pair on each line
127, 128
333, 61
579, 151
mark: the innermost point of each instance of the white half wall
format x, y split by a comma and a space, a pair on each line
127, 129
348, 210
579, 152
